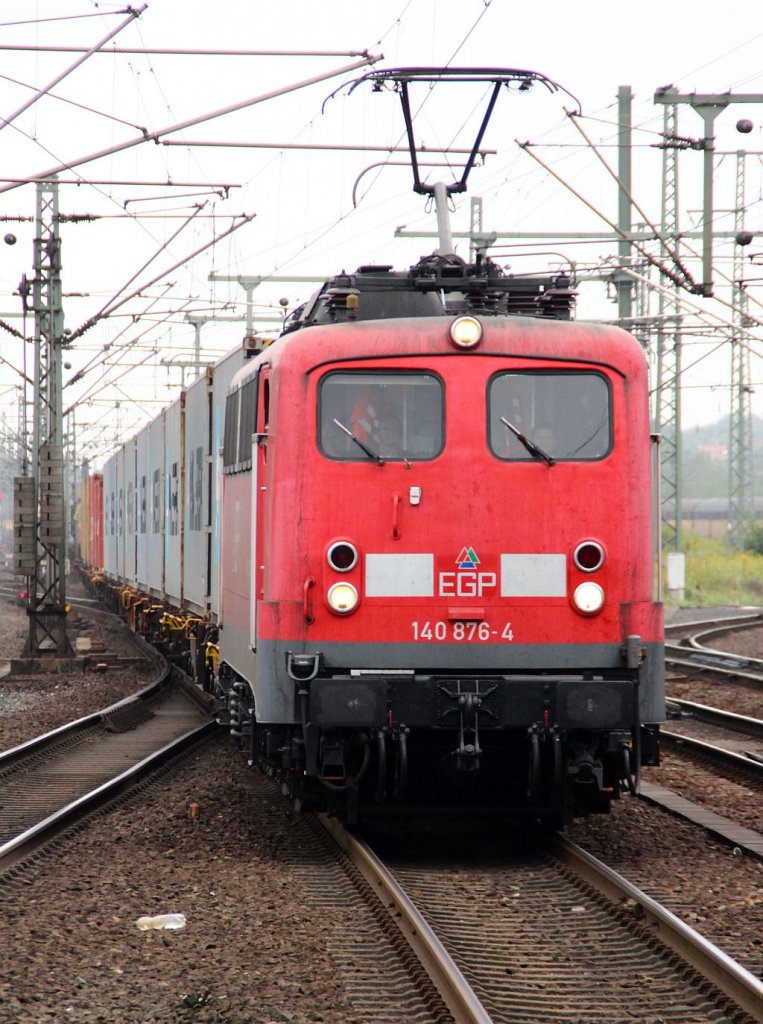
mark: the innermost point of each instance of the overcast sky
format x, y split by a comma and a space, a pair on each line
318, 212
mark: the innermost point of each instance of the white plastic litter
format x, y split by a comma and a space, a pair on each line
169, 921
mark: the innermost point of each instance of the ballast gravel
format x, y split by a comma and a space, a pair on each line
256, 946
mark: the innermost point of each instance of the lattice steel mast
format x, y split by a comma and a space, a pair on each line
669, 347
41, 495
740, 412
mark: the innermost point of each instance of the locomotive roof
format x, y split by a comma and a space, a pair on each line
535, 310
435, 286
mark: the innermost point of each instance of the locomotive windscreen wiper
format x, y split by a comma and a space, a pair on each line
533, 449
371, 454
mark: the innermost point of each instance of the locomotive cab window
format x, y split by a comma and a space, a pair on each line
564, 415
240, 424
380, 415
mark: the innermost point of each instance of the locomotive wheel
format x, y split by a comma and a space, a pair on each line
401, 763
534, 780
631, 778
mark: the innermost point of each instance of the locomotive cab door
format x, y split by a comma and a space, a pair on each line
259, 497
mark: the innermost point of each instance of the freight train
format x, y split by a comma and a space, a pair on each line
409, 546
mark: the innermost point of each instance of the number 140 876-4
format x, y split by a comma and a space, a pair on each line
469, 631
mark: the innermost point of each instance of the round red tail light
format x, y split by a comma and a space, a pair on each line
342, 556
589, 556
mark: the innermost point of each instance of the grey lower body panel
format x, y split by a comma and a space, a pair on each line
524, 669
498, 702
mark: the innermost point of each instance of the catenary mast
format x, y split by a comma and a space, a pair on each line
41, 522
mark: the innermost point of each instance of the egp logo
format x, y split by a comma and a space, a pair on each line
468, 581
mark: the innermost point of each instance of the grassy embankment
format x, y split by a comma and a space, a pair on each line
716, 574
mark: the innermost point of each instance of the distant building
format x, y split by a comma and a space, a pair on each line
715, 452
709, 517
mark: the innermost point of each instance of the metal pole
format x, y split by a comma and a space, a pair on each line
708, 115
624, 284
708, 106
197, 347
445, 238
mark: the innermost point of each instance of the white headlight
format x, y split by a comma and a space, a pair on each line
342, 598
466, 331
588, 598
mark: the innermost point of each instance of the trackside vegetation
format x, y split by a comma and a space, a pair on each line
718, 575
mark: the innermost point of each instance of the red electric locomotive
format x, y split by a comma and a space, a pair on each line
437, 559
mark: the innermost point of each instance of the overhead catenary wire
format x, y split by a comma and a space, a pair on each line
390, 150
671, 274
155, 136
59, 17
313, 242
81, 180
104, 380
244, 219
71, 103
574, 116
712, 319
96, 360
112, 305
134, 13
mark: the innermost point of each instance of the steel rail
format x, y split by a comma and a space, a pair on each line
694, 655
728, 976
751, 618
22, 844
696, 665
39, 743
25, 843
723, 719
443, 972
715, 627
729, 757
718, 630
735, 981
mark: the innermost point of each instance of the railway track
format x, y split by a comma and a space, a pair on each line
722, 744
533, 972
530, 938
690, 719
734, 741
49, 782
569, 949
692, 653
547, 935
